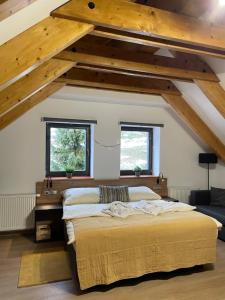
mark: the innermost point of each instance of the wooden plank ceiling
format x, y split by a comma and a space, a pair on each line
82, 45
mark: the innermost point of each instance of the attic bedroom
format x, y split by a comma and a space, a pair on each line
112, 149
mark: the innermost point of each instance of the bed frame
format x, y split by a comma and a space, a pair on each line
47, 196
60, 184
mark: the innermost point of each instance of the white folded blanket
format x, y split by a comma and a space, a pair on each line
160, 207
120, 209
155, 208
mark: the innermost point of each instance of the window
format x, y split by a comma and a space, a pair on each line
67, 147
136, 150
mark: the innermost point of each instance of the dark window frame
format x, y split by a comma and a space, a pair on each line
48, 148
150, 150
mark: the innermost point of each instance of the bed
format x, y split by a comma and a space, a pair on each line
110, 248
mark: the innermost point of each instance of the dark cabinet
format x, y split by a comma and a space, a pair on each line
49, 223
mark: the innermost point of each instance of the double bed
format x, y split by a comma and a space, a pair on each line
110, 248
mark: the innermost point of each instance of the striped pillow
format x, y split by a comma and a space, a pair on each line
109, 194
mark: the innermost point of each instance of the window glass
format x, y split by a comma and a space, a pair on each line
136, 149
68, 147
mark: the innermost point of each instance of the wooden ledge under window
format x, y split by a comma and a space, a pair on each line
138, 177
70, 179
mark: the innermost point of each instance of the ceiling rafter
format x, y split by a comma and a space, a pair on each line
29, 103
32, 82
36, 45
214, 92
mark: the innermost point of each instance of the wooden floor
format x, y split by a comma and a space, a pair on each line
200, 283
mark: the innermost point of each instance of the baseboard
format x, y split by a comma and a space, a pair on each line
17, 232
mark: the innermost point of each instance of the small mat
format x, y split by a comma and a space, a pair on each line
39, 267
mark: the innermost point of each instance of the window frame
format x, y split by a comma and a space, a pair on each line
50, 125
150, 150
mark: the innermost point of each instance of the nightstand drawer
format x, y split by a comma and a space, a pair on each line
43, 230
49, 223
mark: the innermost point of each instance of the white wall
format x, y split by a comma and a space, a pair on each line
22, 144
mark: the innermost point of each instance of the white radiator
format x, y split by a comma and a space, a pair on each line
17, 211
181, 193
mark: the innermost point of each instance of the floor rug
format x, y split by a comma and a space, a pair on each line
39, 267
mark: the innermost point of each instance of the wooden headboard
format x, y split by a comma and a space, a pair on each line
60, 184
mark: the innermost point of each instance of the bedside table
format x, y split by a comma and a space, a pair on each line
49, 218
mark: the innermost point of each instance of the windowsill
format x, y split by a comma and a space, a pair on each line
90, 177
142, 176
72, 178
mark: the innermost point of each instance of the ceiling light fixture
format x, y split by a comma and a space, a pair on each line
222, 2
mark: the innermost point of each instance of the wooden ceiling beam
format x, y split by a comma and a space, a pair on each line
10, 7
195, 122
136, 66
87, 78
144, 20
29, 103
32, 82
215, 93
126, 72
102, 47
156, 42
36, 45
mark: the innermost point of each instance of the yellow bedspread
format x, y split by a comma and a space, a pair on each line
111, 249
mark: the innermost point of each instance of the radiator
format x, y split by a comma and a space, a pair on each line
17, 211
181, 193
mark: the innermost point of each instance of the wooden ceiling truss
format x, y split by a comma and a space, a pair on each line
82, 45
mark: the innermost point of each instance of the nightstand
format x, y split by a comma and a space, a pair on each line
49, 223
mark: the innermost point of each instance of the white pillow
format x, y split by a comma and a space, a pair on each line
137, 193
81, 196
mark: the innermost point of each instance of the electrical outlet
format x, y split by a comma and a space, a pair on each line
50, 192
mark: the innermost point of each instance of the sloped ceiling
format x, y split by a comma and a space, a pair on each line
27, 17
200, 102
40, 9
